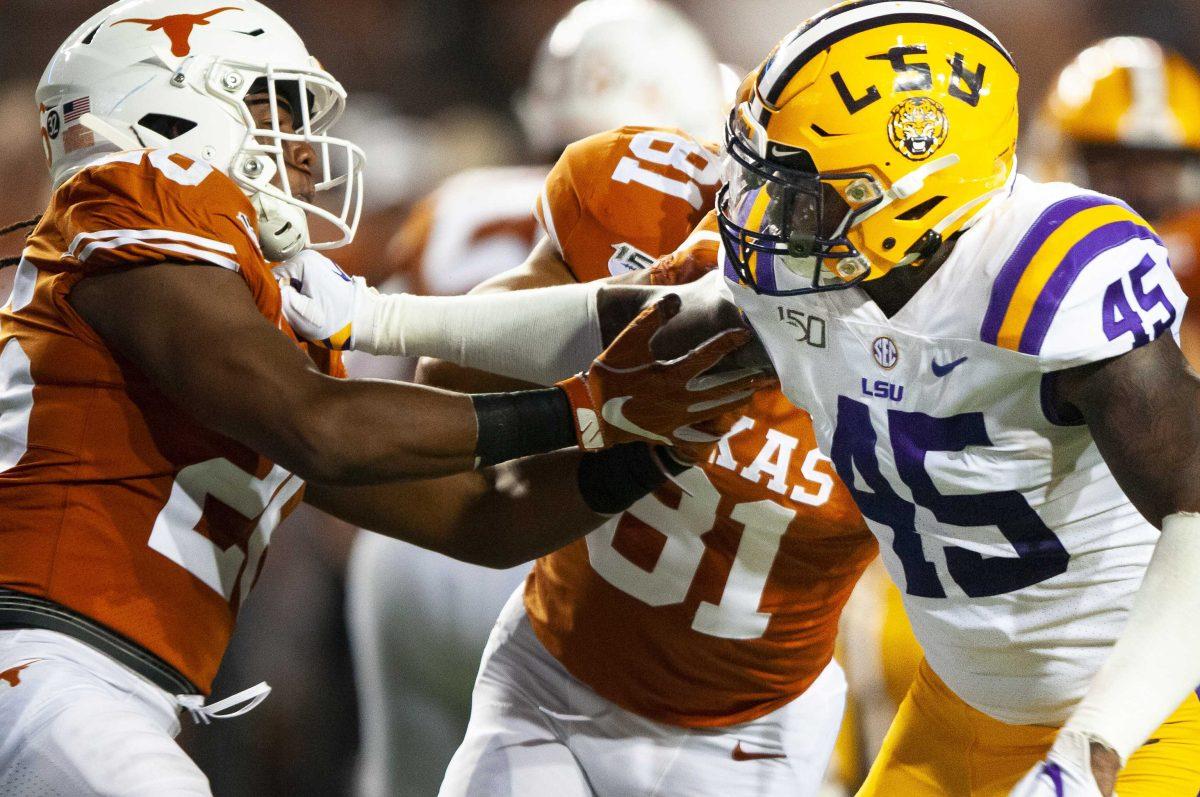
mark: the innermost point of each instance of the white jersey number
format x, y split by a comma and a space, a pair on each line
693, 163
175, 536
737, 616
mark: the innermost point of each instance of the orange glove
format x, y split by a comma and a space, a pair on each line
628, 396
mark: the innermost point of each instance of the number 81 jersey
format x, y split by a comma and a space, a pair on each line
113, 502
1017, 551
714, 601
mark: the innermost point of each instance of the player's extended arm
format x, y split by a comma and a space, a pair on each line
503, 516
538, 336
1143, 409
240, 377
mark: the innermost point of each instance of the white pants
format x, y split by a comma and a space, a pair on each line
78, 723
418, 622
537, 731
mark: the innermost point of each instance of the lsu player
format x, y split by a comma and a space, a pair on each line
997, 350
1131, 100
158, 416
684, 647
419, 621
1000, 390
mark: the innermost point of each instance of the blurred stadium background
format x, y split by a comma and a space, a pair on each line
431, 84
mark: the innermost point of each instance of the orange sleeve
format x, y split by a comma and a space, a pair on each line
693, 259
617, 201
146, 208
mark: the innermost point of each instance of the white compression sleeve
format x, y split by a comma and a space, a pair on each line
540, 336
1156, 661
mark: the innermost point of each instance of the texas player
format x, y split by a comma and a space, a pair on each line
419, 621
159, 415
685, 647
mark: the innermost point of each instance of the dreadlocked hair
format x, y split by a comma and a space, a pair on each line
28, 224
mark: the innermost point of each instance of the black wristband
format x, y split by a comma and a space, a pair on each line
515, 425
612, 481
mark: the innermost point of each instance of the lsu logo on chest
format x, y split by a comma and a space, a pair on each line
783, 463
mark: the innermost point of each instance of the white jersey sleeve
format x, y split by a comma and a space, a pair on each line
1088, 281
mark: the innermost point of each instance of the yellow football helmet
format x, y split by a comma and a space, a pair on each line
872, 133
1125, 98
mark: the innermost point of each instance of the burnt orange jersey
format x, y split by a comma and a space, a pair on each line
113, 502
717, 603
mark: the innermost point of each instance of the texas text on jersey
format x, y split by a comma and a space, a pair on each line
94, 458
716, 601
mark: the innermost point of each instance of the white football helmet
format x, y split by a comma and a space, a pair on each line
175, 74
610, 63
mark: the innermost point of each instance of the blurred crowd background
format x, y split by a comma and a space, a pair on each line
432, 84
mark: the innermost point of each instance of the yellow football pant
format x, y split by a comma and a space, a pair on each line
939, 746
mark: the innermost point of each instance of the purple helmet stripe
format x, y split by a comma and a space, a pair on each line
1005, 284
1110, 236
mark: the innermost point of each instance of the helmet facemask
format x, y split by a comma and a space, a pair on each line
776, 206
260, 165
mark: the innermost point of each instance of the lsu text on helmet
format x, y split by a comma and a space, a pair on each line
872, 133
610, 63
1124, 100
176, 74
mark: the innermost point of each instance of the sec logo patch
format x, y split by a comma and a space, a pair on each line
886, 353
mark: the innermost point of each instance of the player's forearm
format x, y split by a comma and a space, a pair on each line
506, 515
360, 432
1155, 664
539, 336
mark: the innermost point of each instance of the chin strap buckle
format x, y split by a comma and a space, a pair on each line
204, 714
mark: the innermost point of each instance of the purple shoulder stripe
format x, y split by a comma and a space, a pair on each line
1099, 241
1010, 274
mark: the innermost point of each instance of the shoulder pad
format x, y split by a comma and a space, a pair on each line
1088, 280
617, 201
152, 206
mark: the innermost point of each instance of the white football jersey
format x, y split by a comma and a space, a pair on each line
1017, 551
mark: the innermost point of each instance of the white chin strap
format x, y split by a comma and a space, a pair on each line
282, 228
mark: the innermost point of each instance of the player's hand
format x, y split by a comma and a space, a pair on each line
628, 396
320, 300
1075, 767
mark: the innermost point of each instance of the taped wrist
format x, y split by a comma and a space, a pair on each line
515, 425
611, 481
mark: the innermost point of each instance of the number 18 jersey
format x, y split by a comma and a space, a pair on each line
1017, 551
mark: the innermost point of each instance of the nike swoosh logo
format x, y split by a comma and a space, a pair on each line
741, 755
613, 412
941, 370
786, 152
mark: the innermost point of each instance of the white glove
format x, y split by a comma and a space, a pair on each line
1066, 771
320, 301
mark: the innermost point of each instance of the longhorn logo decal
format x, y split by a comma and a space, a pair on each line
179, 27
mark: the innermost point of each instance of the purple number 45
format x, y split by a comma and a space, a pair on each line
1120, 318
